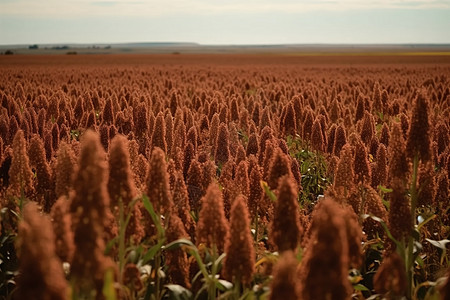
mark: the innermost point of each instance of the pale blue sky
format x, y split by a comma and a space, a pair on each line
225, 21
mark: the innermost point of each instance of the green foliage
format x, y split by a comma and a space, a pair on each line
209, 264
75, 134
386, 229
313, 168
155, 218
243, 137
268, 191
9, 264
155, 252
108, 286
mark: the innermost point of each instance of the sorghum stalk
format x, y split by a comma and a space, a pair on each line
410, 254
122, 229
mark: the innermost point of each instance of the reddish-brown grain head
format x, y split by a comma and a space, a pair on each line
181, 203
328, 246
427, 185
340, 139
344, 175
131, 277
241, 179
214, 129
400, 220
91, 215
187, 157
41, 273
441, 136
266, 134
108, 114
195, 184
179, 137
159, 133
380, 171
176, 259
212, 225
359, 114
354, 237
222, 153
391, 277
330, 138
398, 166
20, 174
256, 191
169, 132
120, 181
361, 164
317, 139
158, 189
240, 154
192, 137
279, 166
368, 128
253, 145
62, 222
284, 284
240, 260
385, 135
44, 184
285, 230
374, 206
289, 125
121, 186
418, 141
307, 124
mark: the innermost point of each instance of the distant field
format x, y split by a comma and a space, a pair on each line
232, 59
192, 48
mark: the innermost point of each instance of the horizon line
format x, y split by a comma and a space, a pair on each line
174, 43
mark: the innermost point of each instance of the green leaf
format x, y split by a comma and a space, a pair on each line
386, 204
178, 243
268, 192
155, 218
360, 287
194, 216
386, 229
384, 189
219, 259
108, 286
152, 252
111, 244
420, 262
194, 252
178, 292
197, 276
379, 126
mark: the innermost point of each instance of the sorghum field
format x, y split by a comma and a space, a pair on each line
224, 176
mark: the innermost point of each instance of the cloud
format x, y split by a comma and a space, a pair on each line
86, 8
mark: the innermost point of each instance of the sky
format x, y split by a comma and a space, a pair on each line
225, 22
